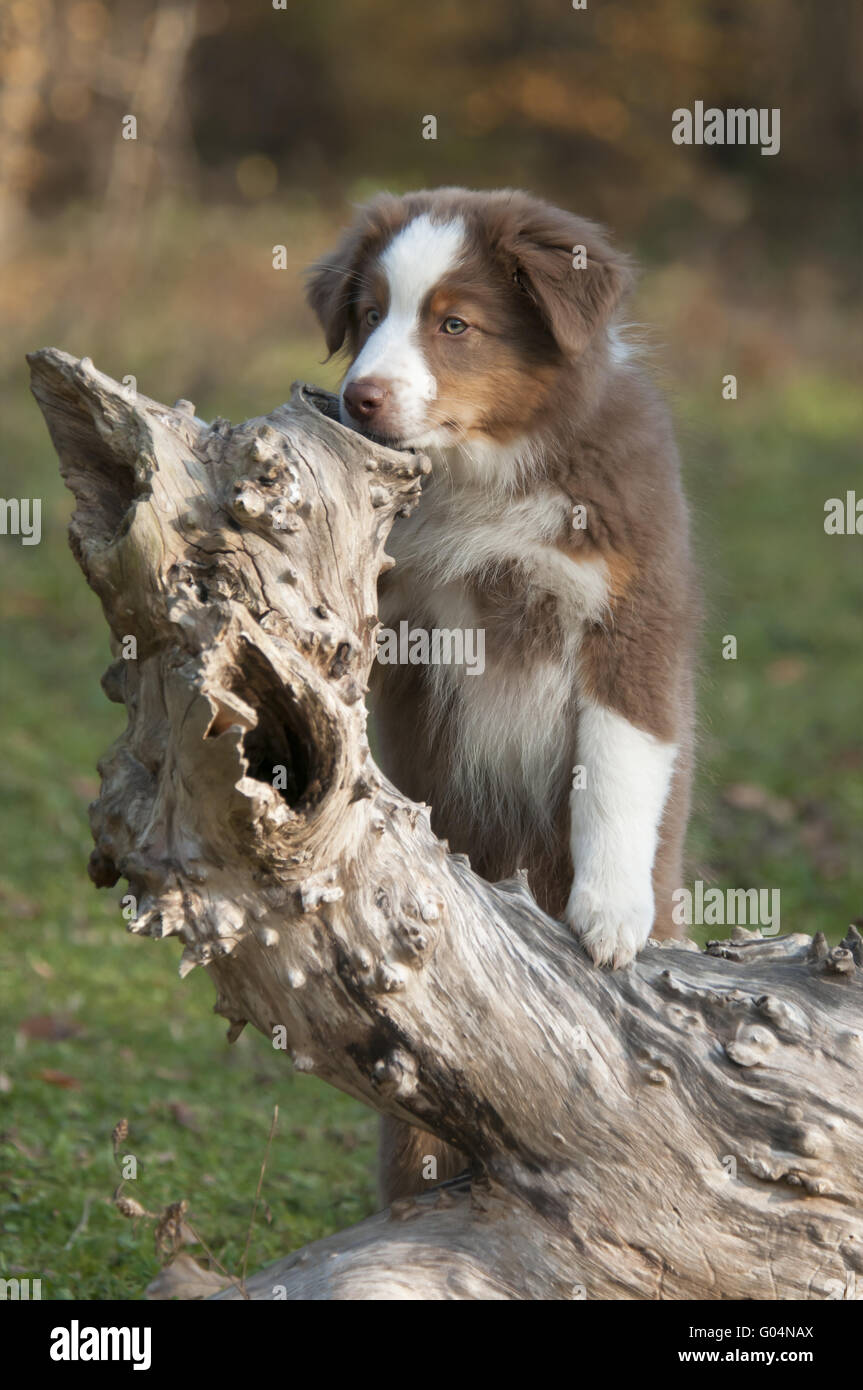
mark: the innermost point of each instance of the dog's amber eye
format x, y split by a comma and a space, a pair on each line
453, 326
373, 317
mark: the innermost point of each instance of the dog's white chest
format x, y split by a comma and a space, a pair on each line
460, 540
466, 559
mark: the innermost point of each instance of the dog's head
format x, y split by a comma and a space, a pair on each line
460, 310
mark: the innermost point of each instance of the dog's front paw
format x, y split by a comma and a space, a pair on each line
612, 929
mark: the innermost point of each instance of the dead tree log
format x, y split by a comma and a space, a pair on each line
691, 1127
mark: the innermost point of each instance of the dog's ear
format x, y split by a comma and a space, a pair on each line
332, 282
567, 267
330, 285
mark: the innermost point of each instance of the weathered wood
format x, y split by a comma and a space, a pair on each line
691, 1127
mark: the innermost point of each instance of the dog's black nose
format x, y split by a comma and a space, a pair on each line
365, 397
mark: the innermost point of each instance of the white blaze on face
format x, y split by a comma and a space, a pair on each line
415, 260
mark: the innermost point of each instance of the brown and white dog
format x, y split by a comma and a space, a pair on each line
480, 328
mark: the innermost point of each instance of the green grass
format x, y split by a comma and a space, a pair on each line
783, 719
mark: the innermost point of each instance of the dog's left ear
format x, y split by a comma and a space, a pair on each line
567, 267
332, 283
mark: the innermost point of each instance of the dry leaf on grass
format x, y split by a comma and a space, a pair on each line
183, 1114
748, 796
50, 1027
59, 1078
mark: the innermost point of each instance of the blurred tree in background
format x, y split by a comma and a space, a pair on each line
236, 101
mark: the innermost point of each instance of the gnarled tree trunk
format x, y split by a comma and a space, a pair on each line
691, 1127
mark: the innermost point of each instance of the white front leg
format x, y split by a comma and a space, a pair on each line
615, 819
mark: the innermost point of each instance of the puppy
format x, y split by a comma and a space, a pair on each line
481, 331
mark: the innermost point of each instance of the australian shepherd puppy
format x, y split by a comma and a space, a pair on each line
481, 331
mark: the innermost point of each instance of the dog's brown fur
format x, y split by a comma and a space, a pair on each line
542, 367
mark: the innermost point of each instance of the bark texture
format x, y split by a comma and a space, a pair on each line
691, 1127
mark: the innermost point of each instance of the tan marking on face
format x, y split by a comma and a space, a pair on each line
440, 304
490, 379
501, 403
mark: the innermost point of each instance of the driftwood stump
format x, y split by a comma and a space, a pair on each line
691, 1127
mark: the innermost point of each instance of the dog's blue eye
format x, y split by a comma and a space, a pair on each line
372, 317
453, 326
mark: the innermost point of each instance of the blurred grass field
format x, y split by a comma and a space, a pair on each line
96, 1024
